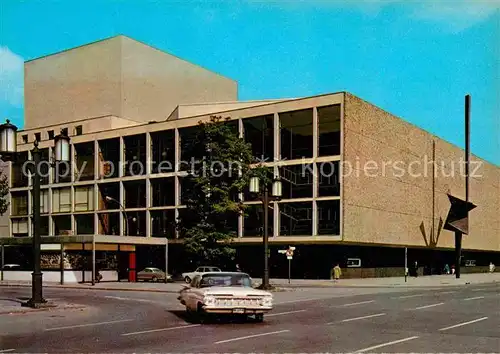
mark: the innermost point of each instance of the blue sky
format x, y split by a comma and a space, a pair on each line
416, 60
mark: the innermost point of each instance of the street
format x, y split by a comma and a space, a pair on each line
448, 319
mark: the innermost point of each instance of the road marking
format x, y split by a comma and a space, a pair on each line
303, 300
129, 299
408, 296
463, 324
252, 336
360, 318
285, 313
357, 303
6, 350
160, 330
446, 292
474, 298
386, 344
87, 325
427, 306
480, 289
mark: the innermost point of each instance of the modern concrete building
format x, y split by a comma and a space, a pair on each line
358, 182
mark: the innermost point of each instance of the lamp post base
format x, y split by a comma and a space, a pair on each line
37, 299
266, 287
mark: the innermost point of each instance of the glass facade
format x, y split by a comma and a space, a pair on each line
124, 195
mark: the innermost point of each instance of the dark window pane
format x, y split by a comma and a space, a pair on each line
295, 219
188, 144
329, 130
259, 132
136, 222
135, 155
84, 224
297, 181
328, 217
109, 157
163, 151
296, 129
163, 223
163, 191
328, 179
253, 224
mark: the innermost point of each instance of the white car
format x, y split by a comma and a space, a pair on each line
228, 293
200, 270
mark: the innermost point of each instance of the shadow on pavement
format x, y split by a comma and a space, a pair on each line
212, 319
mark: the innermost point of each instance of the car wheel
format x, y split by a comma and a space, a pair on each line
187, 280
201, 315
154, 279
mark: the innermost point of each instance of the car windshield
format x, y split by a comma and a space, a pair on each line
225, 280
156, 270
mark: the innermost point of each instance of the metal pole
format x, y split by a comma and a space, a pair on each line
406, 263
458, 235
265, 278
3, 260
37, 291
62, 264
93, 260
289, 270
166, 260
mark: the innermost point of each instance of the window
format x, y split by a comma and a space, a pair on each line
38, 137
329, 130
61, 200
51, 134
296, 131
253, 221
20, 227
78, 130
64, 131
328, 217
44, 201
297, 181
25, 139
19, 201
296, 219
84, 198
328, 179
259, 132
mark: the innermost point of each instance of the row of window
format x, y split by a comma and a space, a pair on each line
297, 182
78, 130
295, 136
295, 219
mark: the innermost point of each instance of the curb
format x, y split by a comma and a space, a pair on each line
92, 288
24, 312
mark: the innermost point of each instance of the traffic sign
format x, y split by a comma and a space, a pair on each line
289, 257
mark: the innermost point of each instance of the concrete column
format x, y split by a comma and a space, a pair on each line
121, 216
315, 217
72, 162
148, 154
315, 132
277, 140
177, 142
121, 163
97, 161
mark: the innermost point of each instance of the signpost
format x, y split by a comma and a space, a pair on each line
289, 255
406, 263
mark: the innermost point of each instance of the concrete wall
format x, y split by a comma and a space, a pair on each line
70, 276
154, 83
118, 77
387, 206
75, 84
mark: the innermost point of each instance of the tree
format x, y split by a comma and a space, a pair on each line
218, 172
4, 192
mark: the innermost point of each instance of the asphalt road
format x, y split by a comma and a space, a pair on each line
448, 320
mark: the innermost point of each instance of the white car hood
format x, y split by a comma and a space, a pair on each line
235, 291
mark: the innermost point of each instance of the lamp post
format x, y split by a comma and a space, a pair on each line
266, 198
8, 151
111, 199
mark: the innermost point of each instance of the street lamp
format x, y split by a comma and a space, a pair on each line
266, 198
111, 199
8, 151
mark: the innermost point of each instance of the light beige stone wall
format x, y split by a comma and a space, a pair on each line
116, 77
397, 203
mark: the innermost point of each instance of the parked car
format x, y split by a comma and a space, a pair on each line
188, 277
11, 266
153, 274
228, 293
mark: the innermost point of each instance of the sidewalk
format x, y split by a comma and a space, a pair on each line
13, 307
393, 282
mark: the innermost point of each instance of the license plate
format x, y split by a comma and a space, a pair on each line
238, 311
